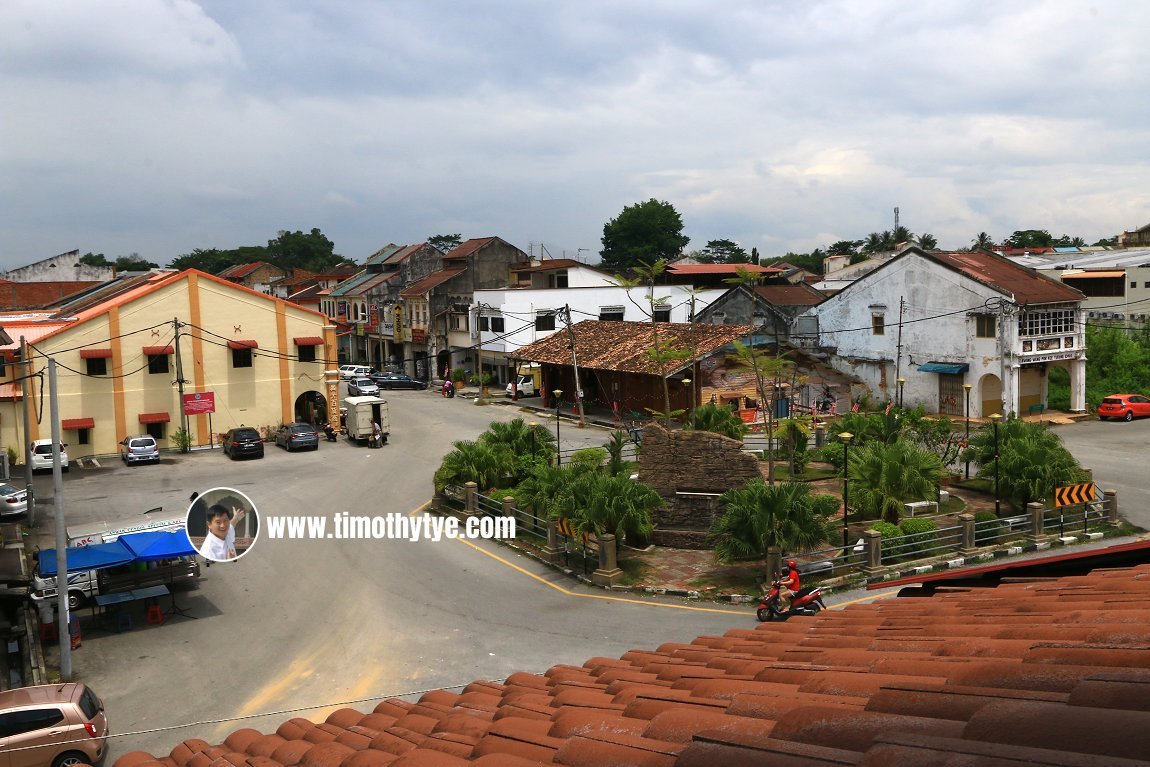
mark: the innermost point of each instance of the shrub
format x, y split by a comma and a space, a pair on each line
918, 535
987, 527
886, 530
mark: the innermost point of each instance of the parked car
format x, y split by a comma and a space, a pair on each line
52, 725
243, 441
297, 436
13, 500
348, 372
362, 387
139, 449
400, 381
42, 455
525, 384
1125, 406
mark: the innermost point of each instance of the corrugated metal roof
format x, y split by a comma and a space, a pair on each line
1025, 285
731, 269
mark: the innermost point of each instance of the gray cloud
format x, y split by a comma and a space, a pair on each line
161, 127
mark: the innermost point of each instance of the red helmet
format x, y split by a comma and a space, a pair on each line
791, 564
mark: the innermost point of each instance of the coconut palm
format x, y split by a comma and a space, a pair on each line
983, 242
484, 464
884, 477
759, 516
717, 419
927, 241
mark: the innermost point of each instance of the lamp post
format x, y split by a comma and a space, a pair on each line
532, 427
997, 502
845, 437
901, 383
691, 400
557, 394
967, 443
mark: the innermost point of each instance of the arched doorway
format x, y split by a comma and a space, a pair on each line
311, 407
990, 395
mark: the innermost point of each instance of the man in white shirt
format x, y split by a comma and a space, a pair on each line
220, 543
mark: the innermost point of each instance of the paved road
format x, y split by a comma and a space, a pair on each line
1116, 451
299, 623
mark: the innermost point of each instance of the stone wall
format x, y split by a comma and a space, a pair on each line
689, 469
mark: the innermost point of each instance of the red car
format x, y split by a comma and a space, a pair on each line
1125, 406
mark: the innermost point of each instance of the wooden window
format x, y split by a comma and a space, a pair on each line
877, 325
241, 358
97, 367
984, 325
157, 363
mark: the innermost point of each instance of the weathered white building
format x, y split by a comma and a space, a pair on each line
925, 325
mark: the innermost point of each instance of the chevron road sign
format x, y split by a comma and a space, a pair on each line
1074, 495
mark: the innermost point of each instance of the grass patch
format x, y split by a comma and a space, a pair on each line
635, 571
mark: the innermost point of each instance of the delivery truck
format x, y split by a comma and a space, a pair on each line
362, 415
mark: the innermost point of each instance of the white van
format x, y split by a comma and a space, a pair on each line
348, 372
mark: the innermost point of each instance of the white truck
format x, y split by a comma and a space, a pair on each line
361, 413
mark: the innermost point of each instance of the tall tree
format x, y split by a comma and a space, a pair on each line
312, 251
1030, 238
724, 252
927, 241
643, 234
902, 234
844, 248
445, 242
983, 242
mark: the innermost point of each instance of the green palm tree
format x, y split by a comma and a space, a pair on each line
717, 419
927, 241
520, 437
884, 477
1033, 460
612, 503
547, 491
484, 464
983, 242
759, 516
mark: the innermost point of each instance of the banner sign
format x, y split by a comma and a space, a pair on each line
200, 402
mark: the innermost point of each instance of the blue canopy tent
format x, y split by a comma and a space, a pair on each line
157, 544
94, 557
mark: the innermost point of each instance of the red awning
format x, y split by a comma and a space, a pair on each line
78, 423
159, 350
308, 340
243, 345
95, 354
154, 418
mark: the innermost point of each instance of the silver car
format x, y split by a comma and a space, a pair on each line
362, 387
13, 500
139, 449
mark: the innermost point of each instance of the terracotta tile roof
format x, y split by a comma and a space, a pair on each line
1055, 672
1025, 285
36, 295
468, 248
624, 345
418, 289
790, 295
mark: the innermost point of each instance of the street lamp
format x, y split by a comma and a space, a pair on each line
997, 502
691, 401
532, 427
966, 445
901, 383
845, 437
557, 394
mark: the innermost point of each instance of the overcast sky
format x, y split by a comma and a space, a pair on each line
160, 126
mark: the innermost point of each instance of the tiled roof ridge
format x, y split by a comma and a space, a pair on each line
897, 681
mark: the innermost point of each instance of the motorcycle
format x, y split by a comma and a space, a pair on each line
807, 601
329, 432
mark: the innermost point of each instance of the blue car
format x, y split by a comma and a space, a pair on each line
297, 436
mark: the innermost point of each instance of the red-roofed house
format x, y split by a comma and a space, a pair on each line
261, 358
258, 275
940, 321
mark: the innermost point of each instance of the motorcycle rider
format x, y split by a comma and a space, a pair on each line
788, 586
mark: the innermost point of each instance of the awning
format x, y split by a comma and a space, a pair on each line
94, 557
78, 423
154, 418
308, 340
947, 368
158, 544
95, 354
159, 350
243, 345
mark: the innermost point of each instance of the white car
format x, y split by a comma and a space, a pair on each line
350, 372
42, 455
525, 384
13, 500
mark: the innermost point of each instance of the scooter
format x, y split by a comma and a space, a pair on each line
806, 601
329, 432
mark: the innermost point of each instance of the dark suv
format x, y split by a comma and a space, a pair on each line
243, 441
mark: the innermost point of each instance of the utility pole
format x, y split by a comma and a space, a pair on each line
898, 348
184, 443
25, 389
575, 365
63, 631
